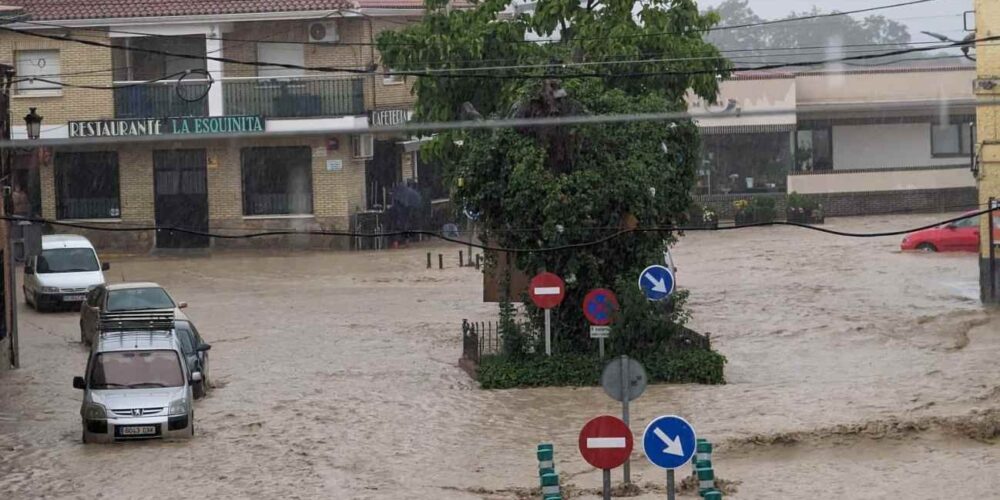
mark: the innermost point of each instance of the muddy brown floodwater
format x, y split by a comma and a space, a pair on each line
855, 371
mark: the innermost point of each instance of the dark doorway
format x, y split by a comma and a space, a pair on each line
181, 197
383, 172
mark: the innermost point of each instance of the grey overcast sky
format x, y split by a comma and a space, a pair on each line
940, 16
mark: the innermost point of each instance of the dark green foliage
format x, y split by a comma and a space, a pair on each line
538, 187
683, 366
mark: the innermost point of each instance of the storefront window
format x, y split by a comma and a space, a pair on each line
87, 185
277, 181
814, 149
745, 163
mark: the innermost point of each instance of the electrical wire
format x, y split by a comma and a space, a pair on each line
739, 26
642, 35
326, 69
435, 234
765, 67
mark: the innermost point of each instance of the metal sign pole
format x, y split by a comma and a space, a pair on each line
548, 332
670, 484
607, 484
600, 347
626, 395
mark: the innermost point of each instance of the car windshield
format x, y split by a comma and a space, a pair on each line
67, 260
136, 369
136, 299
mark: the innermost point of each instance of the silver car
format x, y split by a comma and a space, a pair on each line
138, 384
123, 297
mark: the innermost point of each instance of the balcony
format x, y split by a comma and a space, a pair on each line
294, 97
287, 97
161, 99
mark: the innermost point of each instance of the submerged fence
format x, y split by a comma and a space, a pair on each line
479, 338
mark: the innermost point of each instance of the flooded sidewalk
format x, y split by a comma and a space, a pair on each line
855, 371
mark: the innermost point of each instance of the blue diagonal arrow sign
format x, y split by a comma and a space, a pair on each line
669, 441
657, 282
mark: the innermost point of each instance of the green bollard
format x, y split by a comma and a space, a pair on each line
550, 485
713, 494
706, 480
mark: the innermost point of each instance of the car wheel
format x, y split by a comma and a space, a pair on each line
83, 436
198, 390
927, 247
38, 303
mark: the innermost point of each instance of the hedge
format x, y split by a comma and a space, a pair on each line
682, 366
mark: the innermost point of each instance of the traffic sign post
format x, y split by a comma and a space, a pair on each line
599, 307
547, 291
624, 379
669, 442
656, 282
605, 442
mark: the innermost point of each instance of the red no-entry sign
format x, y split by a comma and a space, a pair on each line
547, 290
605, 442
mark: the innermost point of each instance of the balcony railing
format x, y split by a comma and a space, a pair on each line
294, 97
161, 99
290, 97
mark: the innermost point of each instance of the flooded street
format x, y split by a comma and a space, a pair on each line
855, 371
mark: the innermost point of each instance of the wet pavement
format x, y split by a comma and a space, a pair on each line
855, 371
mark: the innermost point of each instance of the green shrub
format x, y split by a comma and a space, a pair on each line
679, 366
796, 201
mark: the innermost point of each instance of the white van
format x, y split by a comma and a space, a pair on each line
61, 276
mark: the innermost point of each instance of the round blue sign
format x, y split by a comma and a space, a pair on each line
669, 442
656, 282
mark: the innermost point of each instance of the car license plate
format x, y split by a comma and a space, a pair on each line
139, 430
73, 298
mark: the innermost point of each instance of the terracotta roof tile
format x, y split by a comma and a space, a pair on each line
52, 10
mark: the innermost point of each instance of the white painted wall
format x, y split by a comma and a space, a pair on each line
884, 146
897, 180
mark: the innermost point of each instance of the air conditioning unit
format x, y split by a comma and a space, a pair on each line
324, 32
363, 145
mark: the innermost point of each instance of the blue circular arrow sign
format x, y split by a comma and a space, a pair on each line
657, 282
669, 442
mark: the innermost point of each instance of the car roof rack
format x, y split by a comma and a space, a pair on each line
132, 321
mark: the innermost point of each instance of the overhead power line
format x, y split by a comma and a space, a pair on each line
438, 235
740, 26
442, 73
639, 35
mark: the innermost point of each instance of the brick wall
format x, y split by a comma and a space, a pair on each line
864, 203
69, 103
988, 133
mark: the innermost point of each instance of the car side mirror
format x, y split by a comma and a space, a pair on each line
79, 383
195, 377
105, 266
182, 305
204, 347
28, 270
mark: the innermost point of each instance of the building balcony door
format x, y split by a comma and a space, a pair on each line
180, 183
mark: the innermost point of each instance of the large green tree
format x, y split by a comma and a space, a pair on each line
566, 184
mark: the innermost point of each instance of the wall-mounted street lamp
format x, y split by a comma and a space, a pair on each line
33, 120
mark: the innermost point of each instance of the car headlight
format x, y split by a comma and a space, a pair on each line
178, 407
50, 289
95, 411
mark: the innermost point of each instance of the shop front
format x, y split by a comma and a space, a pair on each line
188, 178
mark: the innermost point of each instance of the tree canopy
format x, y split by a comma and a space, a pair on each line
563, 185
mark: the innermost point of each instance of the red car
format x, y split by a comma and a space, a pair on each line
958, 236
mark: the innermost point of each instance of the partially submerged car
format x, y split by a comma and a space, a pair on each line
138, 383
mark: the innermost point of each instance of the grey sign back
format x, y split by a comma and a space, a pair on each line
624, 377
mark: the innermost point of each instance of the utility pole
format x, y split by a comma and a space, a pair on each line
987, 149
9, 281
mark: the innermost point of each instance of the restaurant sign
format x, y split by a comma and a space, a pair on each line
190, 125
387, 117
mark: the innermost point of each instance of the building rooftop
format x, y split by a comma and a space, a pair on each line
54, 10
